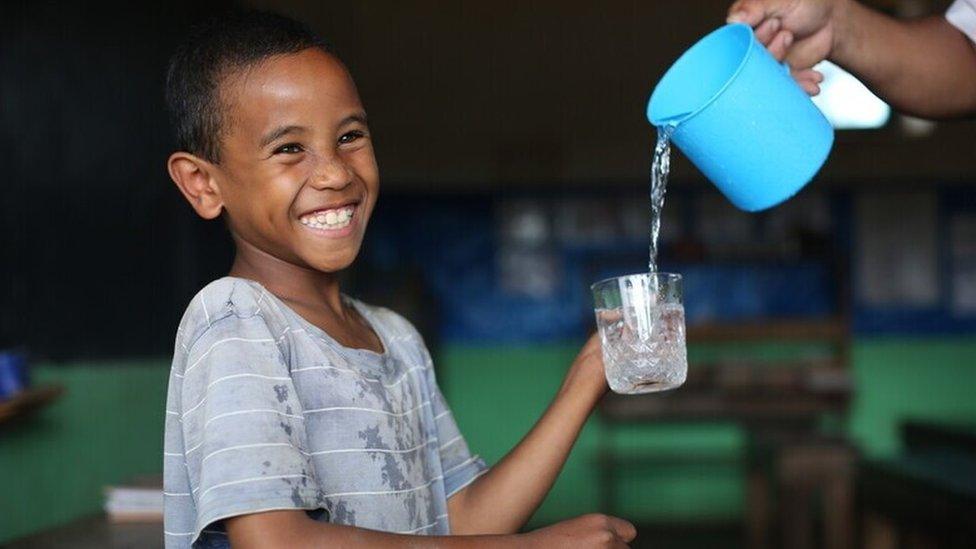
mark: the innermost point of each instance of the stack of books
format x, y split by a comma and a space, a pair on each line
138, 502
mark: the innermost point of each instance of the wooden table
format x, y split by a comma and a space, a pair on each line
27, 402
781, 405
925, 497
95, 532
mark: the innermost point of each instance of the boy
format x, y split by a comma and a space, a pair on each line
296, 416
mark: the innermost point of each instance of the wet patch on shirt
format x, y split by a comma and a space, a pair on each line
281, 392
296, 497
391, 473
341, 514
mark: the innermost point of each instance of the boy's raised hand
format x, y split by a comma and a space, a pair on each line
502, 500
585, 532
587, 369
801, 32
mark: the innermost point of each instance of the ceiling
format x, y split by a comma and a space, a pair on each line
469, 94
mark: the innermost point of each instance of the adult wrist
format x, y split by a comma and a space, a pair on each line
842, 15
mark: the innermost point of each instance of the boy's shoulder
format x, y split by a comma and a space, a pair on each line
229, 298
219, 300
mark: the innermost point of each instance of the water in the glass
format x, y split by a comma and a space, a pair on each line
641, 321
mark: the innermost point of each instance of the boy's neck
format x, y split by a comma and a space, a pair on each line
288, 282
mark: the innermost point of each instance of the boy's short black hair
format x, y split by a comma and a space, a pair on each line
227, 43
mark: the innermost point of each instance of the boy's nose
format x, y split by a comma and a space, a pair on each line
331, 173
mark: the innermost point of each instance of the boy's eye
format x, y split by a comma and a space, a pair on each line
290, 148
350, 137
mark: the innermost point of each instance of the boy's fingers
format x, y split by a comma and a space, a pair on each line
623, 529
779, 44
767, 30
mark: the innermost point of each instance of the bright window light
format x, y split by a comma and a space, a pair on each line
846, 102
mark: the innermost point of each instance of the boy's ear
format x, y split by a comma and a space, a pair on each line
195, 178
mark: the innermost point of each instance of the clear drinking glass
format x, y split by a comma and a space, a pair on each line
641, 319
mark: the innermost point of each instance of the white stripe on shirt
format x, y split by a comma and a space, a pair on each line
252, 479
239, 412
229, 339
373, 410
450, 442
355, 373
257, 445
225, 378
377, 450
468, 461
385, 492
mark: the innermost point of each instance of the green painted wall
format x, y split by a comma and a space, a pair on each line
496, 395
108, 428
910, 378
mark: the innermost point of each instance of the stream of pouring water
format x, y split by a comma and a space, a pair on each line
660, 168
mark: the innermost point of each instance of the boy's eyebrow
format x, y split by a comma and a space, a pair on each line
357, 117
278, 132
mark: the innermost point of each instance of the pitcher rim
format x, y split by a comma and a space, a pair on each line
675, 121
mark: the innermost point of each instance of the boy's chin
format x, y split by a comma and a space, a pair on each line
330, 265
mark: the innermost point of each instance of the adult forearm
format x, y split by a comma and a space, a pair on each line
924, 67
503, 500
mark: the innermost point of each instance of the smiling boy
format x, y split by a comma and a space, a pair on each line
297, 416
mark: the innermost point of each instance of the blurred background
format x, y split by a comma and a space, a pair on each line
830, 400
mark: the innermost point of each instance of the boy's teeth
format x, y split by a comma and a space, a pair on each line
329, 219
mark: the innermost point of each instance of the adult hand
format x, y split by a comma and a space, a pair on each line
586, 532
802, 32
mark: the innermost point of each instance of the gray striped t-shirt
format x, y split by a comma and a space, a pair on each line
266, 411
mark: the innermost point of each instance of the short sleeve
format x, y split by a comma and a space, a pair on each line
962, 15
243, 427
460, 467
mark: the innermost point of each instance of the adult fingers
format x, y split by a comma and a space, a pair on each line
754, 12
746, 11
809, 80
807, 53
808, 74
809, 87
779, 44
767, 30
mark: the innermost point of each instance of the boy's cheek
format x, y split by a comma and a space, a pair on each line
365, 161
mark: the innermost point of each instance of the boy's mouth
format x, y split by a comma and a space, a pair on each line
329, 219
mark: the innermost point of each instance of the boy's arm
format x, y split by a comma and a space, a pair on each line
293, 529
503, 499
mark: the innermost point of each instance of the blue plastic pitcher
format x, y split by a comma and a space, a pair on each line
741, 119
